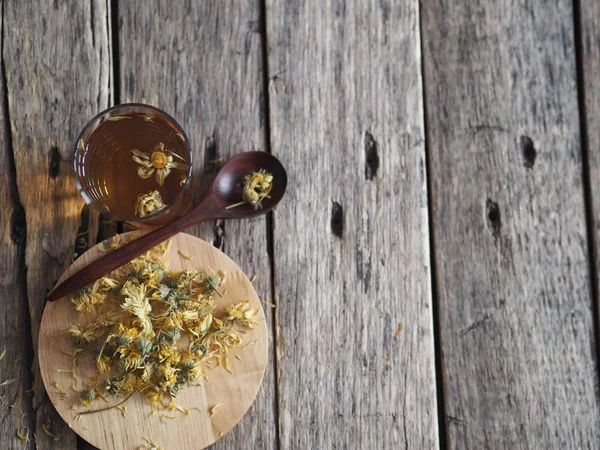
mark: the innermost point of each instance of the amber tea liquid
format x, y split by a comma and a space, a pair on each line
107, 173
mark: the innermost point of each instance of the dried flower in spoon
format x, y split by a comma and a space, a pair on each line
257, 186
160, 160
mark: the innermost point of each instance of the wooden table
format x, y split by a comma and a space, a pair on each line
434, 263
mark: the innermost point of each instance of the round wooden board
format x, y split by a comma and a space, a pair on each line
234, 391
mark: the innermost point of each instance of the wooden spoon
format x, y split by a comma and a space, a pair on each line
225, 191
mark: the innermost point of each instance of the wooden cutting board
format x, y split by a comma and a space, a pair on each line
235, 391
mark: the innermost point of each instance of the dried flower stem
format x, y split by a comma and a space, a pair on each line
109, 407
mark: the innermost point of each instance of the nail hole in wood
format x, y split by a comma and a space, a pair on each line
337, 219
371, 156
529, 152
493, 217
210, 154
54, 165
18, 225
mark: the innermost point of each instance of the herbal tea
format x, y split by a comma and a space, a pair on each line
133, 165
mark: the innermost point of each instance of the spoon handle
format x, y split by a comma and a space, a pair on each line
129, 251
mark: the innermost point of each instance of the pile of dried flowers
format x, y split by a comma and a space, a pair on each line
152, 329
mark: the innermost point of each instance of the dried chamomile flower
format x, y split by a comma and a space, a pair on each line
82, 336
168, 375
131, 383
113, 243
160, 160
148, 203
169, 355
113, 387
169, 337
153, 330
137, 304
154, 397
242, 313
125, 336
211, 283
103, 364
191, 368
257, 186
87, 298
88, 397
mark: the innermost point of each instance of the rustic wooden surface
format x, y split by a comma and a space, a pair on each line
351, 242
588, 21
442, 159
202, 63
511, 251
234, 391
16, 349
55, 57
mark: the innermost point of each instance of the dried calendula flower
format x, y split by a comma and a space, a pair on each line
148, 203
159, 160
82, 336
211, 283
242, 313
257, 187
87, 298
155, 331
103, 364
88, 397
137, 303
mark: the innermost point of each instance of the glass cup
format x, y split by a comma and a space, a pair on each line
133, 163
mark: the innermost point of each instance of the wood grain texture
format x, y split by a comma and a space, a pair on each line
234, 391
57, 77
101, 228
351, 242
201, 62
15, 337
509, 225
589, 20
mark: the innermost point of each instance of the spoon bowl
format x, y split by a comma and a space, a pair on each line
227, 187
225, 191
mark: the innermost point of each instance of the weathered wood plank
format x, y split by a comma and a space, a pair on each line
509, 225
201, 62
57, 60
15, 337
589, 21
351, 240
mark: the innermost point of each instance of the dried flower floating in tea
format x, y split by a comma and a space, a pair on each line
149, 203
117, 118
257, 186
152, 330
160, 160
